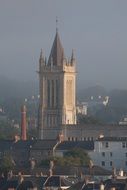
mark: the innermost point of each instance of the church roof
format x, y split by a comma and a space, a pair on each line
57, 52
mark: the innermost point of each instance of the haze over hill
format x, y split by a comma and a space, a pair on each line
10, 88
13, 94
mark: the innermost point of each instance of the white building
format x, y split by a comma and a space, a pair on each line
110, 152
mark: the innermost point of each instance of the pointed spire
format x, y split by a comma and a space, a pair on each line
41, 56
72, 57
41, 60
57, 52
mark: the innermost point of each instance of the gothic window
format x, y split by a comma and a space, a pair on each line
57, 93
69, 92
52, 93
48, 93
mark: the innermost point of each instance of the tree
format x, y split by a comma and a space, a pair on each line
7, 131
6, 164
74, 157
88, 119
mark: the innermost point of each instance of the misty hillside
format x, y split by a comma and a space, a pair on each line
13, 93
95, 91
117, 97
10, 88
116, 109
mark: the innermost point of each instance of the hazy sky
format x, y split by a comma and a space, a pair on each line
96, 29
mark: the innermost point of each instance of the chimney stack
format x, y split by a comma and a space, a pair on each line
23, 122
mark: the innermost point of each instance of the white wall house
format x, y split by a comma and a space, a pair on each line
110, 152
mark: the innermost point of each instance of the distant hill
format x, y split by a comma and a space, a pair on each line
118, 98
95, 91
13, 93
10, 88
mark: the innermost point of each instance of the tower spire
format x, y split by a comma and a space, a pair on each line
57, 52
72, 57
41, 60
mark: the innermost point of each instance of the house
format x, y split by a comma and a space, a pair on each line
42, 149
110, 152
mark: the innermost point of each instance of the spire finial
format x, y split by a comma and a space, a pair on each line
56, 24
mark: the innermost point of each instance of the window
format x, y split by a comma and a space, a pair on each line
111, 154
124, 144
103, 154
103, 163
106, 145
126, 154
110, 163
126, 163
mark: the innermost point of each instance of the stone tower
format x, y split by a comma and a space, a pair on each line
57, 79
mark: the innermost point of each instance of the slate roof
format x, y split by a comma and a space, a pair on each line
92, 186
36, 181
44, 144
10, 184
57, 52
77, 186
57, 181
118, 184
68, 145
25, 185
23, 144
112, 139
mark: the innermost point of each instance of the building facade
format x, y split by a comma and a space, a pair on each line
57, 91
110, 152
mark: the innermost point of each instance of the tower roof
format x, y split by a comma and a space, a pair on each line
57, 52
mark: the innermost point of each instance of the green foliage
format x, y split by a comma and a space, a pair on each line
7, 131
75, 157
6, 164
45, 162
82, 119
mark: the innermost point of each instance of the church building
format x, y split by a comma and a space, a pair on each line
57, 83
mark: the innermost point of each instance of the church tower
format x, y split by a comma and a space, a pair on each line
57, 78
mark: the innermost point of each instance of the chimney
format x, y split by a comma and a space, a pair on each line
23, 122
